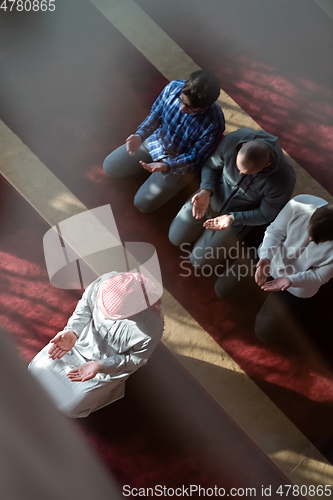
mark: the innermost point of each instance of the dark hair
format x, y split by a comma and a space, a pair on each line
202, 88
320, 227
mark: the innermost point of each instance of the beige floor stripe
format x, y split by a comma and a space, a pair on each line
196, 350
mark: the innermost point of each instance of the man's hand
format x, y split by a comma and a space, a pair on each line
133, 142
87, 371
63, 342
155, 166
262, 272
219, 223
277, 285
200, 203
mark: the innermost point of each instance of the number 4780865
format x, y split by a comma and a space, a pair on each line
28, 5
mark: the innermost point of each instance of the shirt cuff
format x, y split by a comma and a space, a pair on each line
141, 135
207, 186
236, 218
67, 328
168, 170
266, 253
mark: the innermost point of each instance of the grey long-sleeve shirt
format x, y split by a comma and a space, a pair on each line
286, 244
254, 199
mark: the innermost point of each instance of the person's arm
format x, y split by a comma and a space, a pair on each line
120, 364
154, 119
210, 174
275, 233
195, 157
136, 356
312, 278
212, 169
270, 206
83, 312
65, 340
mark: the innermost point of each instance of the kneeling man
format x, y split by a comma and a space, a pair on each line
297, 252
114, 329
245, 183
183, 128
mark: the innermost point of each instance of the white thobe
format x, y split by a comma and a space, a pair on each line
122, 346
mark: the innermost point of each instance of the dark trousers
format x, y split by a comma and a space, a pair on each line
281, 313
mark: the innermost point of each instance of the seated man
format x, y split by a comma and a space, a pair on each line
245, 183
184, 127
111, 333
297, 251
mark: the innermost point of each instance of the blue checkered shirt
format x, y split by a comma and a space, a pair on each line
183, 141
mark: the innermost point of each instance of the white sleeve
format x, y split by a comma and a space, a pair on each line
312, 279
83, 311
139, 353
276, 233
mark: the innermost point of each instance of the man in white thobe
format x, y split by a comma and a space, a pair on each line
114, 329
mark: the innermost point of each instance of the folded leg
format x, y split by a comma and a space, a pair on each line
120, 164
75, 399
160, 188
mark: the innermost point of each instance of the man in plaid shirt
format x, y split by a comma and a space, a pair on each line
183, 129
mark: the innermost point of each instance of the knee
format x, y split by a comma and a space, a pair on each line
228, 286
110, 166
145, 206
265, 328
197, 257
182, 229
116, 164
220, 289
176, 236
260, 330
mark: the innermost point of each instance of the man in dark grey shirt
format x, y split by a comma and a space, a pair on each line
245, 183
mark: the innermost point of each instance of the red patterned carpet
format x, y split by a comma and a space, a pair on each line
272, 59
73, 89
167, 431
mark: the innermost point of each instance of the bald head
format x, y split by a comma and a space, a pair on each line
253, 157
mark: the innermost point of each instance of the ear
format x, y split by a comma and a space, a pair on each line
268, 164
